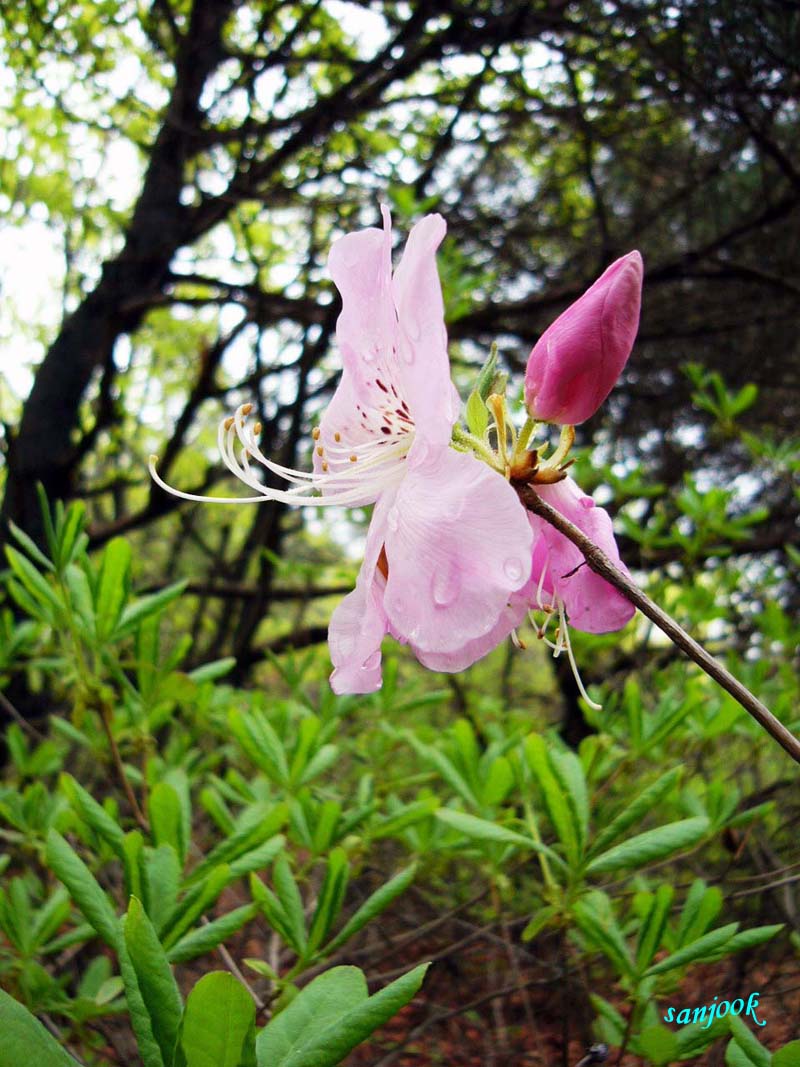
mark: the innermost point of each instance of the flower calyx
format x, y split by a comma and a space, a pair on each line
492, 436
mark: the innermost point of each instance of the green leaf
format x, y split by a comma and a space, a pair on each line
145, 606
749, 1043
113, 586
406, 816
498, 782
750, 938
157, 985
650, 846
253, 830
696, 1037
94, 814
261, 743
323, 1000
658, 1044
258, 858
38, 587
30, 546
209, 672
703, 905
788, 1056
373, 906
595, 918
697, 950
538, 921
70, 533
161, 875
476, 414
23, 1039
319, 763
652, 928
84, 889
218, 1028
484, 830
306, 1042
331, 898
271, 908
611, 1025
52, 915
446, 769
647, 801
560, 811
325, 824
569, 771
166, 819
735, 1056
291, 903
488, 372
210, 935
141, 1023
196, 902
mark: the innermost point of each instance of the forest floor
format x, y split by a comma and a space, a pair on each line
477, 1009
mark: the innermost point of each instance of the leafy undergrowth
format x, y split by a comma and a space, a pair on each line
157, 824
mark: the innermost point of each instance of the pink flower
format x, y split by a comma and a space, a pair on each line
575, 363
449, 543
560, 574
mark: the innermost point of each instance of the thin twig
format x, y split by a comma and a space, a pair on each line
235, 970
19, 719
139, 815
599, 562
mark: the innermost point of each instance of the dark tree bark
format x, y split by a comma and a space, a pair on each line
45, 449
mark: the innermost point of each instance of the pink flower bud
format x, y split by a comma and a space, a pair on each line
575, 363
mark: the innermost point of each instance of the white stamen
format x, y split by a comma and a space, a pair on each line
562, 642
564, 630
540, 586
377, 465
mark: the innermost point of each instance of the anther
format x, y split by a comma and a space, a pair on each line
257, 429
228, 422
315, 433
353, 459
246, 409
324, 468
320, 450
337, 436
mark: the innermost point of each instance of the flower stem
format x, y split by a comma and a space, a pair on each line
599, 562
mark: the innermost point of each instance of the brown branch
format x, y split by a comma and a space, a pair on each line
599, 562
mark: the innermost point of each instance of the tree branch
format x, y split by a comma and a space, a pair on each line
599, 562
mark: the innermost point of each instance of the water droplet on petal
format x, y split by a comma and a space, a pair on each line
372, 661
513, 569
393, 518
413, 327
344, 645
445, 586
408, 354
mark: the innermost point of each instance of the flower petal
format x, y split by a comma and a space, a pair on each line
423, 366
366, 330
592, 605
358, 624
575, 363
458, 544
512, 615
